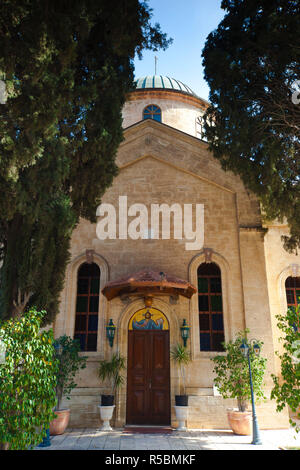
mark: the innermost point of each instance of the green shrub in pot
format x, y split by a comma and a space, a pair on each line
111, 371
232, 380
70, 362
182, 357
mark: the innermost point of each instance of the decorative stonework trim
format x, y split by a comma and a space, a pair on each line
167, 94
174, 299
89, 256
257, 228
208, 252
295, 270
125, 299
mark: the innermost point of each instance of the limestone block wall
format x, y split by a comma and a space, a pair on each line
279, 266
256, 296
206, 411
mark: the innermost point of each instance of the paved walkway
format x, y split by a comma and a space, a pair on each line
116, 440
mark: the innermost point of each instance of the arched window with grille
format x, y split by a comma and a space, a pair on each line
292, 289
210, 307
87, 306
152, 112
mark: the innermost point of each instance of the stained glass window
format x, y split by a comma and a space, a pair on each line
210, 307
152, 112
87, 306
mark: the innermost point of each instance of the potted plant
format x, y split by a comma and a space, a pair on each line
111, 371
27, 381
70, 362
232, 381
182, 357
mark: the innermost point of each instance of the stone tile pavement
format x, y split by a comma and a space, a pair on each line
116, 440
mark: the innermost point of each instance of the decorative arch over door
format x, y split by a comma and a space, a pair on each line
148, 319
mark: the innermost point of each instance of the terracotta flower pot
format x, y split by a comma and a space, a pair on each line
60, 423
240, 422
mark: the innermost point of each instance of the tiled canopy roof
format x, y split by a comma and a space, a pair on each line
161, 82
148, 282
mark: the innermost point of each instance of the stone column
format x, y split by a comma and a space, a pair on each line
258, 316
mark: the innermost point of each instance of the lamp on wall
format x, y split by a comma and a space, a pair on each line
110, 332
246, 349
185, 332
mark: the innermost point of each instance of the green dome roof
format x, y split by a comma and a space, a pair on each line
161, 82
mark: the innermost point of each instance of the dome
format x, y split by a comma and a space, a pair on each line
160, 82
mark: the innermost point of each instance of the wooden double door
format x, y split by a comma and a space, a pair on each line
148, 381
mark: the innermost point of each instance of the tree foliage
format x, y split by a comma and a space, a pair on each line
286, 389
232, 372
252, 66
69, 363
27, 381
67, 67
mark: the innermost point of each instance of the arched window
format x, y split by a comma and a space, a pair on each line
210, 307
152, 112
292, 288
87, 306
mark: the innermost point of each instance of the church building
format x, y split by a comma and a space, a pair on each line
140, 270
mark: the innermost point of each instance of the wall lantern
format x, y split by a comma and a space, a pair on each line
110, 332
185, 332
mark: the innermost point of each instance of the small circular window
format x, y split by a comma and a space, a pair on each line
152, 112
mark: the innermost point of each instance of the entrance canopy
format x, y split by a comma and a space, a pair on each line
148, 283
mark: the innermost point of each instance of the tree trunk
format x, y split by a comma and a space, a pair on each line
59, 395
242, 404
14, 302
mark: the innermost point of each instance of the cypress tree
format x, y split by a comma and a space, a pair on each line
252, 66
67, 67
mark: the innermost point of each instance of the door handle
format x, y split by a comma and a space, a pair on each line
150, 384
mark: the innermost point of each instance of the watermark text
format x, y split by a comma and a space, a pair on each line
136, 223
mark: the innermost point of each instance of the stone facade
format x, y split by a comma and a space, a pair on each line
165, 163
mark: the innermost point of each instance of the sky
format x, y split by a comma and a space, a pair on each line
188, 22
